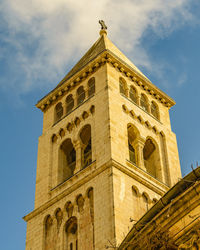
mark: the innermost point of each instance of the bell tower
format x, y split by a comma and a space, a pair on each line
105, 156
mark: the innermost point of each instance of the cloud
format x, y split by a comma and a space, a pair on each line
41, 40
182, 79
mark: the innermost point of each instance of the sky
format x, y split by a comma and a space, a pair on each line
40, 40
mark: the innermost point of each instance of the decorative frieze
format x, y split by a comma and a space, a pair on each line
71, 125
140, 119
95, 65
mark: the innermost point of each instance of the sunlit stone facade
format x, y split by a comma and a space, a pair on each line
106, 154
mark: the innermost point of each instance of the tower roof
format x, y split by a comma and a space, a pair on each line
103, 49
101, 45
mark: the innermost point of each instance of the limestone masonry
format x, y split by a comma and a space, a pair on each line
106, 155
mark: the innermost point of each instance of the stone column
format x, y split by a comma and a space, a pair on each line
78, 148
138, 99
64, 108
148, 107
86, 88
139, 145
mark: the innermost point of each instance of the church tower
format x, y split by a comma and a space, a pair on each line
105, 156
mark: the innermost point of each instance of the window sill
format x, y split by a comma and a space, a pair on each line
73, 177
131, 164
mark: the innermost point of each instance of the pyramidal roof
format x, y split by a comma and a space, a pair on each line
101, 45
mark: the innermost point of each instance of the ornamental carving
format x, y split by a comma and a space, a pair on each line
193, 243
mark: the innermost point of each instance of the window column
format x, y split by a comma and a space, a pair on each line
138, 99
65, 109
139, 145
78, 148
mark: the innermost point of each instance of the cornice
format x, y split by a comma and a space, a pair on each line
186, 185
110, 58
90, 172
142, 177
84, 176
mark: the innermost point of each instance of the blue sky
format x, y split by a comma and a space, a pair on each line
41, 40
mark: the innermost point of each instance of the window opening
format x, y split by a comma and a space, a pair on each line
122, 86
85, 136
132, 136
80, 95
152, 159
71, 233
87, 154
69, 103
67, 160
133, 94
131, 153
143, 103
154, 110
58, 112
91, 86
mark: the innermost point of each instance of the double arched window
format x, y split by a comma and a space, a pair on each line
72, 157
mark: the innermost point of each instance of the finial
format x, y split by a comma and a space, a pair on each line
103, 28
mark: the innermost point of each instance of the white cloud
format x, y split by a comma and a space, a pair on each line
182, 79
43, 38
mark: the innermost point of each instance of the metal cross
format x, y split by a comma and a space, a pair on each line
103, 25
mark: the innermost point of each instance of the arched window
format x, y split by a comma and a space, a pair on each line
154, 110
69, 208
49, 233
131, 153
145, 202
144, 102
67, 160
132, 135
91, 86
58, 112
152, 158
133, 94
71, 234
80, 202
122, 86
69, 103
90, 195
85, 137
136, 209
59, 217
80, 95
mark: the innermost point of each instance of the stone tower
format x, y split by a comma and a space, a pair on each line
105, 156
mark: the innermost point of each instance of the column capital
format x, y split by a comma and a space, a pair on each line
139, 141
77, 144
